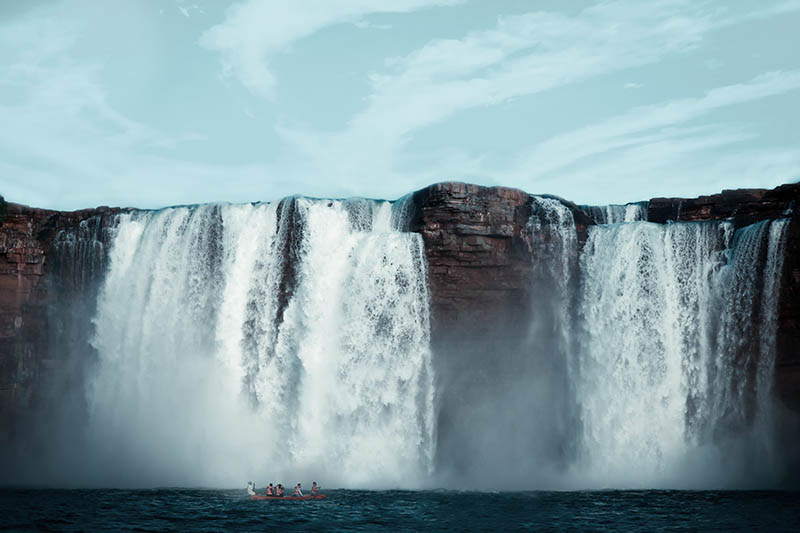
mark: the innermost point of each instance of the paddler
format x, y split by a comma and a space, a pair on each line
270, 490
298, 491
251, 488
279, 490
314, 488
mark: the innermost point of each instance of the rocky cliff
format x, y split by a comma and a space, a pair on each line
479, 246
27, 237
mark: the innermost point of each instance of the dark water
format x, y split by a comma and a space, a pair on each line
230, 510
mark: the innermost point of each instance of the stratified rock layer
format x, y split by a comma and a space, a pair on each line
478, 254
478, 246
742, 206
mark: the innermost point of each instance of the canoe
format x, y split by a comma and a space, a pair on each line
306, 497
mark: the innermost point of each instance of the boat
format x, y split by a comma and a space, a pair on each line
306, 497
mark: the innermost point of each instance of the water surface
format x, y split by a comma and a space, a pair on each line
231, 510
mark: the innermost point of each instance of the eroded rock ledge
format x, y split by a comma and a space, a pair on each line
478, 249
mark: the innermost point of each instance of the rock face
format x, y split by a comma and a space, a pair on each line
478, 257
478, 247
743, 206
27, 236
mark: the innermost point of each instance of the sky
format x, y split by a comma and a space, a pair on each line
167, 102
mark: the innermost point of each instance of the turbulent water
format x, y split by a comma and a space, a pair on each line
286, 338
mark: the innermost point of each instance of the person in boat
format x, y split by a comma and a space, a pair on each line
251, 488
314, 488
279, 490
298, 491
270, 490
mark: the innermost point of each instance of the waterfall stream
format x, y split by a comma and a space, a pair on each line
678, 350
616, 214
285, 339
293, 340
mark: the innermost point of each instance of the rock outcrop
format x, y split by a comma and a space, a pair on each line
27, 236
742, 206
479, 246
478, 258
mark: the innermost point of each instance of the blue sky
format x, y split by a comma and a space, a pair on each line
155, 103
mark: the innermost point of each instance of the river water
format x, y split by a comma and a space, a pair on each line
231, 510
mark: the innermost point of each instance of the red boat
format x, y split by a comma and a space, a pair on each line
306, 497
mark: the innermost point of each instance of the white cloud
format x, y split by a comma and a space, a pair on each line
522, 55
637, 126
677, 167
67, 140
186, 9
256, 30
64, 145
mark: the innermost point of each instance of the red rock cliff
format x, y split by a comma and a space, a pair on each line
26, 237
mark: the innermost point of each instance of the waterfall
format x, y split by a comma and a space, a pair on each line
616, 214
742, 376
292, 340
554, 250
58, 352
77, 264
667, 368
769, 322
287, 339
554, 247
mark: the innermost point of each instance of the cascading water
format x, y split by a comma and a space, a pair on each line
742, 376
555, 248
291, 340
544, 384
287, 339
47, 444
666, 367
616, 214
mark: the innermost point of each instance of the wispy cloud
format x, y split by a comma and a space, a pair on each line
63, 141
254, 31
187, 9
76, 131
680, 165
525, 55
522, 55
641, 124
